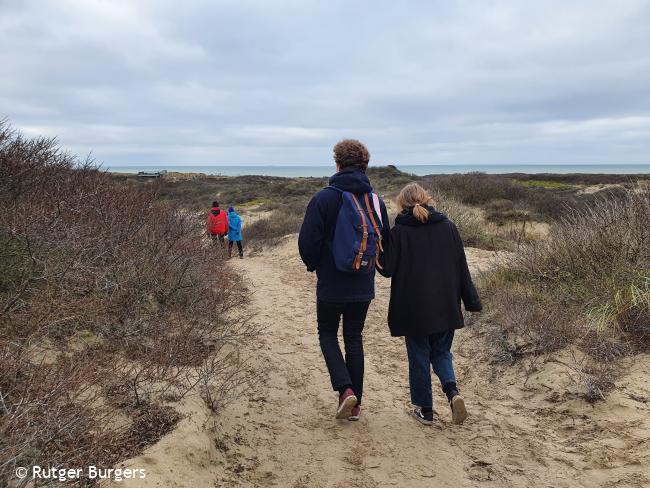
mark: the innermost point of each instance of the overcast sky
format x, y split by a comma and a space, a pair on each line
273, 82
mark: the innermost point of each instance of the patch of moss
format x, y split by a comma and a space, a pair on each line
546, 184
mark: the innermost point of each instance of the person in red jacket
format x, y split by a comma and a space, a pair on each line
217, 223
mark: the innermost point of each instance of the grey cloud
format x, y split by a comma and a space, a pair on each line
280, 81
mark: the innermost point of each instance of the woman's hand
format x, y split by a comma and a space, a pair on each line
471, 317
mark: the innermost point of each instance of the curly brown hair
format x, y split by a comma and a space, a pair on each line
350, 152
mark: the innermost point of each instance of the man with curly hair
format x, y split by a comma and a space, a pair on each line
339, 293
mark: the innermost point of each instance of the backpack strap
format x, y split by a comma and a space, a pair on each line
364, 240
374, 222
380, 247
375, 204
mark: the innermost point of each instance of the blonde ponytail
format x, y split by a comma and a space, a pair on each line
420, 213
413, 195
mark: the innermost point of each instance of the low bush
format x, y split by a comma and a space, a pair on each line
268, 230
111, 304
198, 193
542, 197
503, 211
506, 202
388, 179
467, 219
476, 188
586, 285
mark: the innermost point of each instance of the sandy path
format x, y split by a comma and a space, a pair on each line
285, 434
291, 428
289, 437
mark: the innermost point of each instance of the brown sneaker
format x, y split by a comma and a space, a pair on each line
347, 401
458, 410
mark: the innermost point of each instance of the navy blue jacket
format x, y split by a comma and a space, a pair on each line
318, 229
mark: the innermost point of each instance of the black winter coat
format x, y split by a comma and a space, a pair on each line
429, 276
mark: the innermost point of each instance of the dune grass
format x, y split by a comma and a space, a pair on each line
587, 286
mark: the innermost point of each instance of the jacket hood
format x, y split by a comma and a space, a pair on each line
406, 217
352, 180
215, 211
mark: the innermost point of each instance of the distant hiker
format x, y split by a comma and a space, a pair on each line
217, 224
430, 277
342, 235
234, 232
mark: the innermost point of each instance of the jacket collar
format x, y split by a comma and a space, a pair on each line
406, 217
352, 180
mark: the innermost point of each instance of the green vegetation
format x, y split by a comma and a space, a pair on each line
547, 184
508, 202
199, 192
286, 198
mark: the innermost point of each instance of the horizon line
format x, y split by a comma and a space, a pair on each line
321, 165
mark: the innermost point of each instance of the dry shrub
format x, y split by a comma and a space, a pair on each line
388, 179
610, 237
502, 211
287, 218
546, 197
236, 191
604, 346
597, 380
468, 220
587, 284
477, 188
532, 325
110, 304
284, 220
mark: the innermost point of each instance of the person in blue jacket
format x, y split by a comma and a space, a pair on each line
234, 232
338, 293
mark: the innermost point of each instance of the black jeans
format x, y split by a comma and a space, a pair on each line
348, 371
239, 247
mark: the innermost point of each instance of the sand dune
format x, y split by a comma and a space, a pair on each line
519, 433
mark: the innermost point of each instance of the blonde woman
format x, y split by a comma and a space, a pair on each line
430, 277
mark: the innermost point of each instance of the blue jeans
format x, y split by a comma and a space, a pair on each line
424, 352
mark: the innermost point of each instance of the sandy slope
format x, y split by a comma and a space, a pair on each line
285, 435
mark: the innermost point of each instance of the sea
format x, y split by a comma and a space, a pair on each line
417, 169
